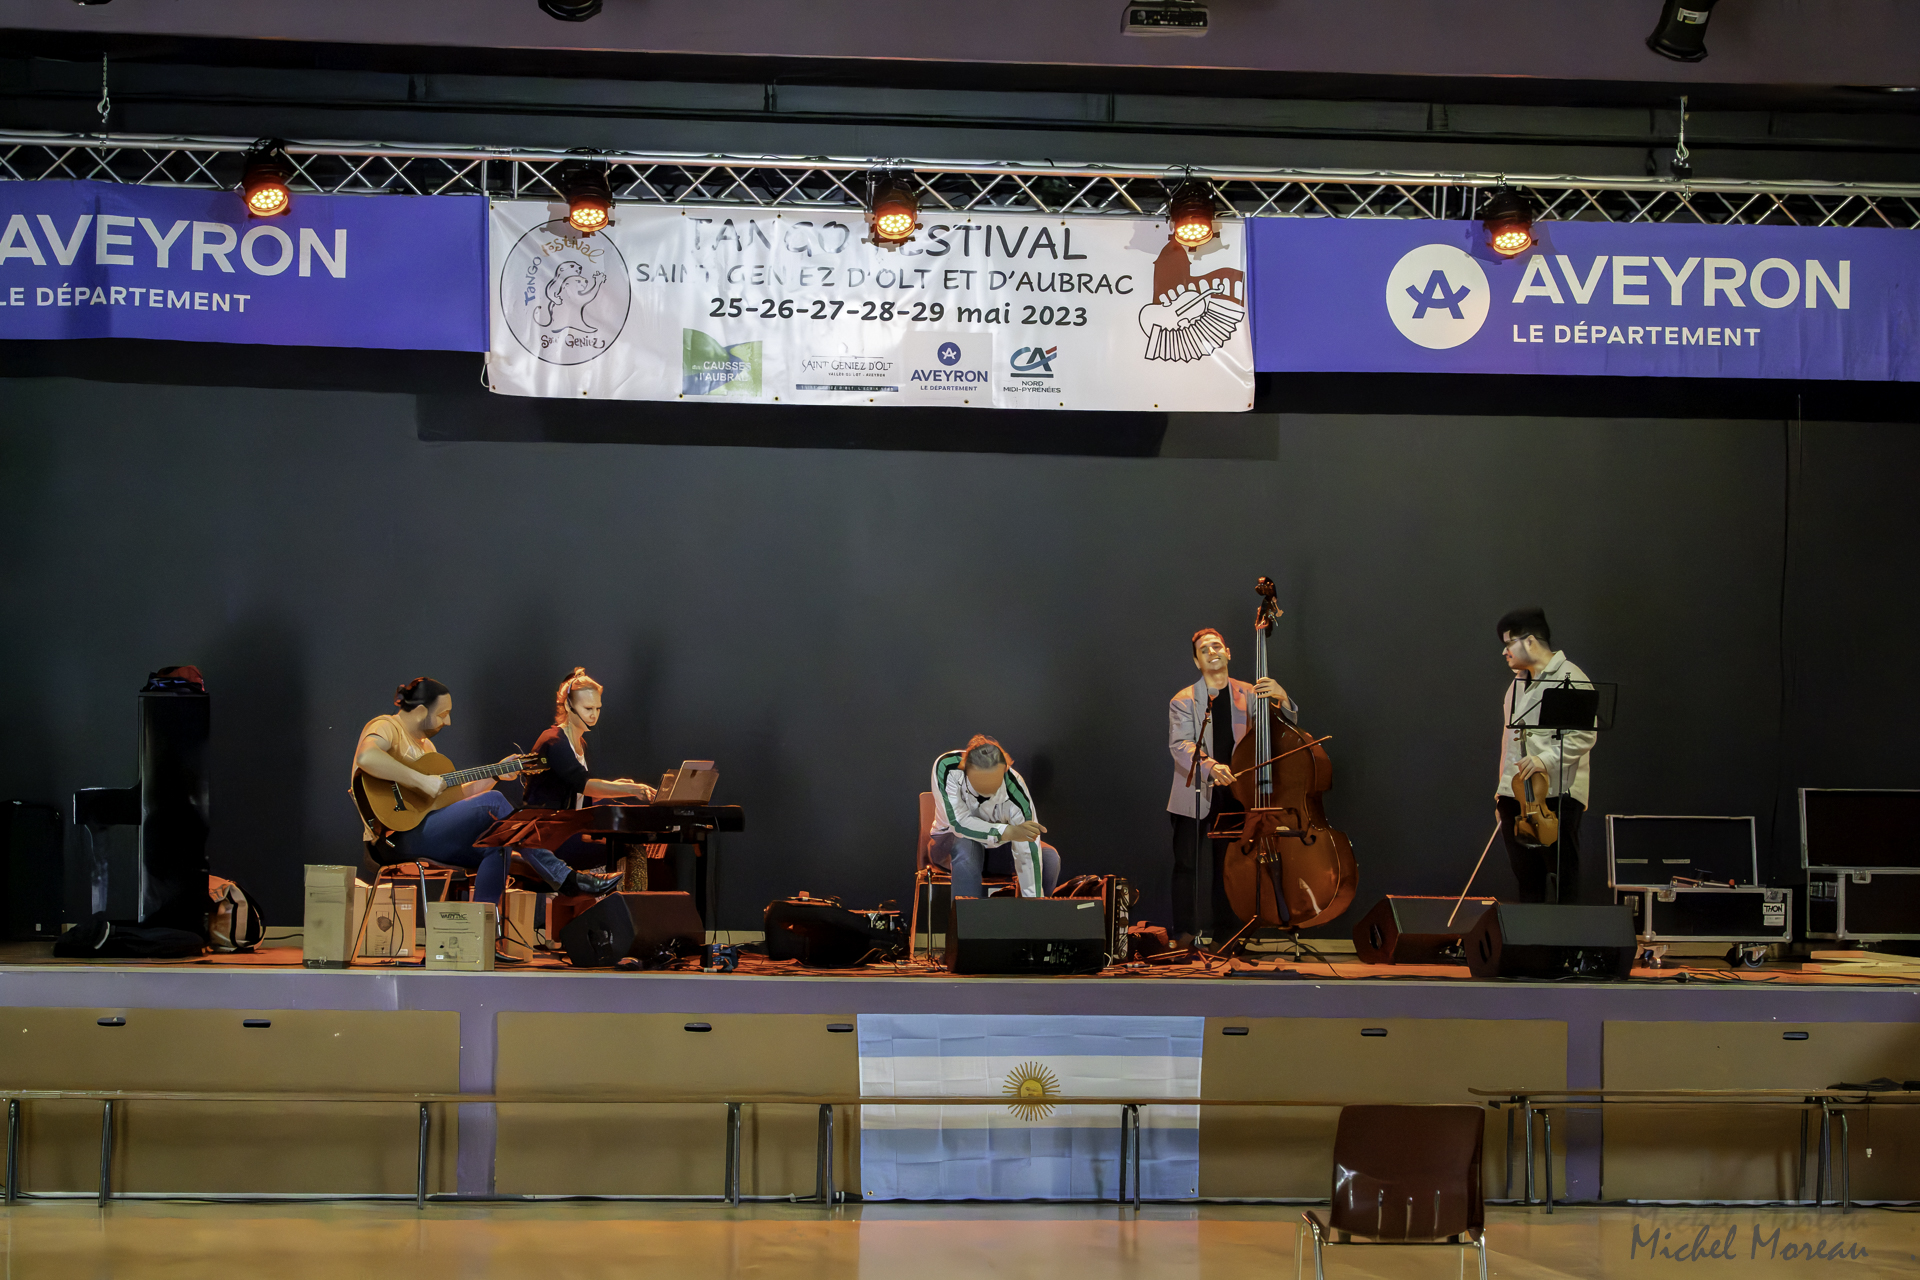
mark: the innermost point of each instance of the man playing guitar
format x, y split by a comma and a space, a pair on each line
389, 742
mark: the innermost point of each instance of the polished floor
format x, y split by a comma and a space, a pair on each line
563, 1240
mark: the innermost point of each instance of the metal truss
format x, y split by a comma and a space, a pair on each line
840, 184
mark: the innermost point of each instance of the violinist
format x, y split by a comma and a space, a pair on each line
1546, 873
1223, 705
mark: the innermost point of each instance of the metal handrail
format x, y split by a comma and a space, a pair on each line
1130, 1143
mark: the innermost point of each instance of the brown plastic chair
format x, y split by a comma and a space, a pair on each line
926, 875
1404, 1175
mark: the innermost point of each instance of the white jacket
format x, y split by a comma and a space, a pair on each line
1545, 744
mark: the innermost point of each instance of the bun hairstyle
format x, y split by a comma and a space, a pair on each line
421, 691
576, 680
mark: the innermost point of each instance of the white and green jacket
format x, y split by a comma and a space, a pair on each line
983, 819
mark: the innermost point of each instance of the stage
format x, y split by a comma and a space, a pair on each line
1334, 1031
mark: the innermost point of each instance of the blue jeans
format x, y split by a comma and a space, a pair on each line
448, 834
967, 860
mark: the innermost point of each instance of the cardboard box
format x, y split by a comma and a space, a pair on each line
332, 915
390, 922
518, 936
461, 935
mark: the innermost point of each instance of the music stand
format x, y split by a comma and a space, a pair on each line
1567, 705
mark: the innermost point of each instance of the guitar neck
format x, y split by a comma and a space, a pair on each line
464, 776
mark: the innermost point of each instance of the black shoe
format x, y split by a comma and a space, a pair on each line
591, 883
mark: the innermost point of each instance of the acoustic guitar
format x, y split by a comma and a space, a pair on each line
391, 806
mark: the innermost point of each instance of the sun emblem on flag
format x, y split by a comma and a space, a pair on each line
1028, 1082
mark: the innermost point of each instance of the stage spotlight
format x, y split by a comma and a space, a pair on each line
1508, 219
1192, 212
263, 181
1682, 33
589, 198
893, 213
571, 10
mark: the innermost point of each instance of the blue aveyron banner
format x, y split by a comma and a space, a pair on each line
112, 260
1626, 299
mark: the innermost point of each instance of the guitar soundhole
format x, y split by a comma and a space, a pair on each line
399, 805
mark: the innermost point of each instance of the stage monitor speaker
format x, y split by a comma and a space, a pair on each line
822, 934
653, 928
1405, 930
32, 892
1027, 935
1534, 940
665, 921
599, 937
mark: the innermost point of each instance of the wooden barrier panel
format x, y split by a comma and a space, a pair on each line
1288, 1153
1673, 1152
232, 1147
671, 1150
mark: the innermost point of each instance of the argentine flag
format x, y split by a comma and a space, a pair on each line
1029, 1149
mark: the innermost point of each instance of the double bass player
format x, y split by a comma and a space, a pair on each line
1208, 717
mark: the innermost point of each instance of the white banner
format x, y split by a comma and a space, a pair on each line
794, 307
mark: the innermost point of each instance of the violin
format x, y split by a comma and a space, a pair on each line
1538, 826
1290, 869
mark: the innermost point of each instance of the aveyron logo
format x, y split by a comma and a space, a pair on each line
1438, 296
708, 368
564, 296
946, 377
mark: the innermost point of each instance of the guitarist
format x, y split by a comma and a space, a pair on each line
389, 742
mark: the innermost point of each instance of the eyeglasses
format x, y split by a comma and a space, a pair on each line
1513, 645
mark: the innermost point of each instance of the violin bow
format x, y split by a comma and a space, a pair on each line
1476, 872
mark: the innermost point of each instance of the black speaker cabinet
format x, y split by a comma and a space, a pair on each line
599, 937
1533, 940
646, 926
1416, 930
1027, 935
32, 897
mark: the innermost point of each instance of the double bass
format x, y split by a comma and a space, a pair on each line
1289, 869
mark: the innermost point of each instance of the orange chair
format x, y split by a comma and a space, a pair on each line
926, 875
1404, 1175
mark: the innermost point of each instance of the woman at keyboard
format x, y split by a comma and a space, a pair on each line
566, 784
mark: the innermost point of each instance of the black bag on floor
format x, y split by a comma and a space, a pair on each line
101, 938
822, 934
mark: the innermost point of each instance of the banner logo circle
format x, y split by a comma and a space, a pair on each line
1438, 296
564, 296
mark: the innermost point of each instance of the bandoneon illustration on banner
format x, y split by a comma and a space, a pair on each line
794, 307
1031, 1148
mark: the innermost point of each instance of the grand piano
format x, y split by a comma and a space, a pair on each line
624, 825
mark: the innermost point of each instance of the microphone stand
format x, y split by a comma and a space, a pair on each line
1193, 769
